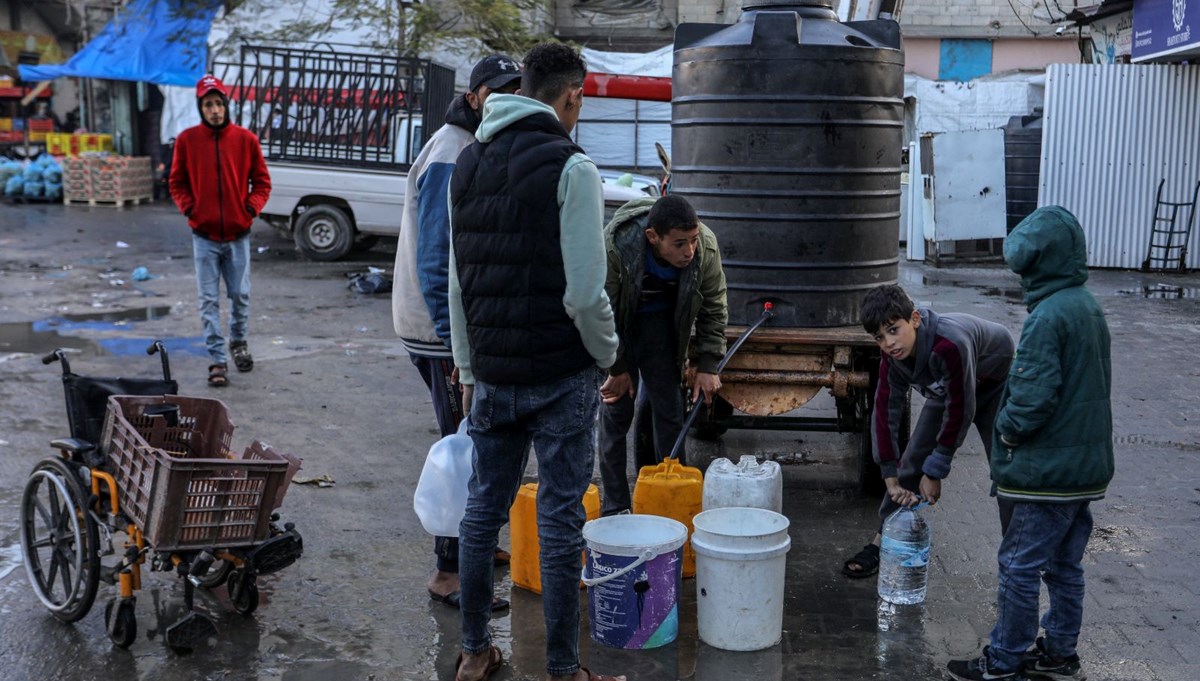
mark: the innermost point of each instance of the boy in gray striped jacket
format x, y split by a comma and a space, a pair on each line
959, 363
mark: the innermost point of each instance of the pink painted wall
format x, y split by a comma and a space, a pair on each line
1033, 54
922, 56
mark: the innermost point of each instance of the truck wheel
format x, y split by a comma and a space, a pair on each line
324, 233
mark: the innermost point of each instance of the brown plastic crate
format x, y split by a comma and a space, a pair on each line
182, 485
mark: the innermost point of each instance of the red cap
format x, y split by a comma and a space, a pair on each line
210, 83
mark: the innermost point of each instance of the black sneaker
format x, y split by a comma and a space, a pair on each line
1039, 664
241, 355
978, 669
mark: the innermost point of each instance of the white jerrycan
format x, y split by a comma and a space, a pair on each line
746, 484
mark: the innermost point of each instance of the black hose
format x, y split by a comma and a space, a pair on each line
767, 313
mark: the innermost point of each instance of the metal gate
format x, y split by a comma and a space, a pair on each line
320, 106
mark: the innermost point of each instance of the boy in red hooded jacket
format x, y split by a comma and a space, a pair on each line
220, 182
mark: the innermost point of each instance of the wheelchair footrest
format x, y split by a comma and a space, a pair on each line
190, 632
277, 552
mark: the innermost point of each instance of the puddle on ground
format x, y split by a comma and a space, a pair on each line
1012, 295
51, 333
10, 559
1163, 292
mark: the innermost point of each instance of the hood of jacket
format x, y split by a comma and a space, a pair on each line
926, 334
625, 233
628, 212
460, 114
501, 111
1049, 251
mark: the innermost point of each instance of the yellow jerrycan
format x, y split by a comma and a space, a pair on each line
672, 490
525, 566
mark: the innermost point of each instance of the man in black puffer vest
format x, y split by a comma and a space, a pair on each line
530, 326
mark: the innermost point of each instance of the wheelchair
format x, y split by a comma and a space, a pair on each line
156, 467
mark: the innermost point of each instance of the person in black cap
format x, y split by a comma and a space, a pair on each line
420, 308
497, 73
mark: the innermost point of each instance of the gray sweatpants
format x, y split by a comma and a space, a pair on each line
924, 438
654, 363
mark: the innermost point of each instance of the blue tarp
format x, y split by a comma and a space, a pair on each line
152, 41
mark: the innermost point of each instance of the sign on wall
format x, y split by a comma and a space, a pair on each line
1165, 28
1112, 39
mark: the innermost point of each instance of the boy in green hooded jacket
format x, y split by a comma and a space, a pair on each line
1052, 454
664, 281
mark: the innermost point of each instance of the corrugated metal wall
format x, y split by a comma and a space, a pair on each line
1111, 133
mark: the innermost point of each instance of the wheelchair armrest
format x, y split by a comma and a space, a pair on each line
72, 445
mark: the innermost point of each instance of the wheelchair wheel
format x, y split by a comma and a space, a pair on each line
216, 575
59, 540
123, 630
243, 591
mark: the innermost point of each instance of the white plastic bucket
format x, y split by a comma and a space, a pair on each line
741, 554
633, 573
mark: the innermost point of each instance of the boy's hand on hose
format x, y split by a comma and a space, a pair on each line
708, 383
931, 489
616, 387
899, 494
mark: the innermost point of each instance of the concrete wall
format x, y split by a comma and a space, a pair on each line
923, 56
976, 19
1033, 54
924, 23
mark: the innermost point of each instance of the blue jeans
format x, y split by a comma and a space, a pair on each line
559, 420
1046, 542
229, 260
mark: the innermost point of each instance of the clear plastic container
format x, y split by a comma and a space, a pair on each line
904, 557
746, 484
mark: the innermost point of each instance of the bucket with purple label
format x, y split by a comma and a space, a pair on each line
633, 574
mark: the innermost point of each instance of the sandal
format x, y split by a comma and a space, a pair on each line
241, 355
495, 659
218, 375
593, 676
867, 560
452, 599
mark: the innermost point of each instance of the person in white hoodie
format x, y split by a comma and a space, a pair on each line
532, 328
420, 294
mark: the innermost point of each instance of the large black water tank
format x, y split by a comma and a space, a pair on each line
786, 133
1022, 165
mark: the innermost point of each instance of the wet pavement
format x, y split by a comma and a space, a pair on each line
333, 385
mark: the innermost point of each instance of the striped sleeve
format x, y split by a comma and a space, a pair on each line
957, 369
886, 418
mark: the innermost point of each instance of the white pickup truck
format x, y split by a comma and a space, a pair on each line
330, 210
339, 131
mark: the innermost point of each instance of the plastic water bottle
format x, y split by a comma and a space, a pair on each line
904, 558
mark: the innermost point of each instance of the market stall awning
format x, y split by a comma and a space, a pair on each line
152, 41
